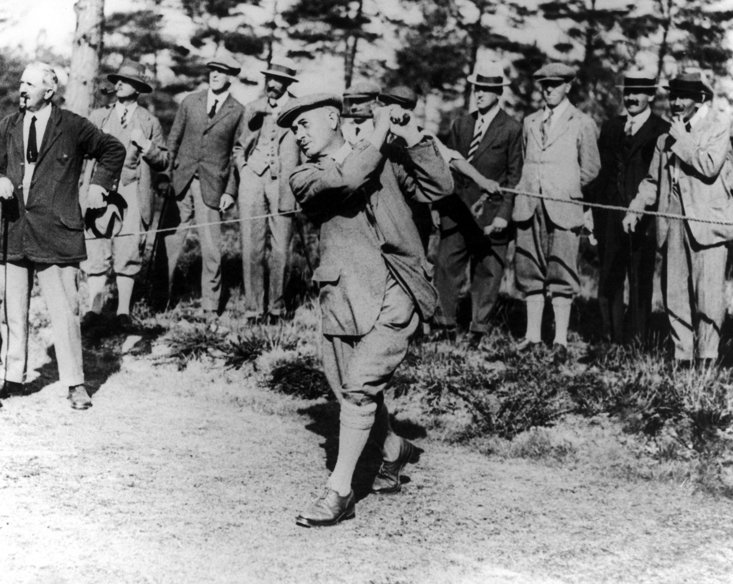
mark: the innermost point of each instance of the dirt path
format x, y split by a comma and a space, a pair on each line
196, 477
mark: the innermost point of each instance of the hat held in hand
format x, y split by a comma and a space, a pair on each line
106, 222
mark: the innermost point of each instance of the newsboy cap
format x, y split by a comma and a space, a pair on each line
362, 90
691, 84
132, 73
294, 108
555, 71
399, 95
225, 61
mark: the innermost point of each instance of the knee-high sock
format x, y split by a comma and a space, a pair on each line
351, 444
382, 432
535, 308
561, 306
96, 286
125, 285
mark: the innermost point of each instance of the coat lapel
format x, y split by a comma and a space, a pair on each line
559, 126
221, 113
53, 131
641, 137
491, 134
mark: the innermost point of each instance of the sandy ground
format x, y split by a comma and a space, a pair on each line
196, 476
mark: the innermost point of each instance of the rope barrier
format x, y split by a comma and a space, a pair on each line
617, 208
195, 225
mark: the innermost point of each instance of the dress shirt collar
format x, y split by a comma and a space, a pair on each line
220, 98
557, 111
120, 108
42, 116
488, 117
699, 115
633, 123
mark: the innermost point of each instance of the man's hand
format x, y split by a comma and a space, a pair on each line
96, 198
497, 225
629, 222
6, 188
404, 125
677, 129
225, 202
138, 139
435, 218
381, 126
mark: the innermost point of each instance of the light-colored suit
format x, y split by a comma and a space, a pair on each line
265, 155
692, 176
200, 150
136, 188
559, 168
373, 276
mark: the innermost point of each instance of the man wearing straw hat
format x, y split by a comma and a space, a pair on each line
265, 155
626, 146
560, 159
691, 174
131, 211
491, 141
200, 147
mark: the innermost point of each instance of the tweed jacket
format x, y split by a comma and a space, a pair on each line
366, 228
47, 225
145, 164
201, 146
561, 168
288, 153
705, 175
499, 157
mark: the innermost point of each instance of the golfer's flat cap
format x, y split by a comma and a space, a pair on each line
225, 61
362, 90
556, 71
400, 95
305, 103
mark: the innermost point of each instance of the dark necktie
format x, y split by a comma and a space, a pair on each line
212, 111
32, 150
123, 119
545, 127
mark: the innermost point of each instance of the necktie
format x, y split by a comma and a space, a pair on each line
32, 150
123, 118
212, 111
629, 129
478, 134
545, 127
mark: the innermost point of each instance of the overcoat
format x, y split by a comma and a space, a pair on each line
155, 160
366, 228
201, 146
560, 168
705, 180
47, 226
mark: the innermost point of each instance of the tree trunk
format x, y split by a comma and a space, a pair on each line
665, 7
85, 55
350, 59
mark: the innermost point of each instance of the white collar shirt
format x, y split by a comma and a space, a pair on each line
484, 120
634, 123
121, 108
218, 98
42, 116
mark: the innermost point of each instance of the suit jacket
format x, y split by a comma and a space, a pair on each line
203, 146
366, 228
288, 153
561, 168
145, 164
48, 227
705, 180
498, 157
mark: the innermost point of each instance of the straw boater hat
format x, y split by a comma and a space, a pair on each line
297, 106
399, 95
639, 79
555, 72
283, 68
691, 84
132, 73
224, 61
488, 75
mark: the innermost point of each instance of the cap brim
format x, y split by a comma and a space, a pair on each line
140, 86
225, 68
279, 74
288, 116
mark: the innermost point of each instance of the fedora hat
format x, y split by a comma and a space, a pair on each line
639, 79
106, 221
690, 84
225, 61
283, 68
487, 75
399, 95
132, 73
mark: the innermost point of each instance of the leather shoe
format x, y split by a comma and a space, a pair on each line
559, 354
388, 475
328, 509
527, 346
12, 388
79, 397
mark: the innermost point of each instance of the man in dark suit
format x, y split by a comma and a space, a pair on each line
200, 146
626, 146
265, 155
141, 134
42, 149
491, 141
374, 288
